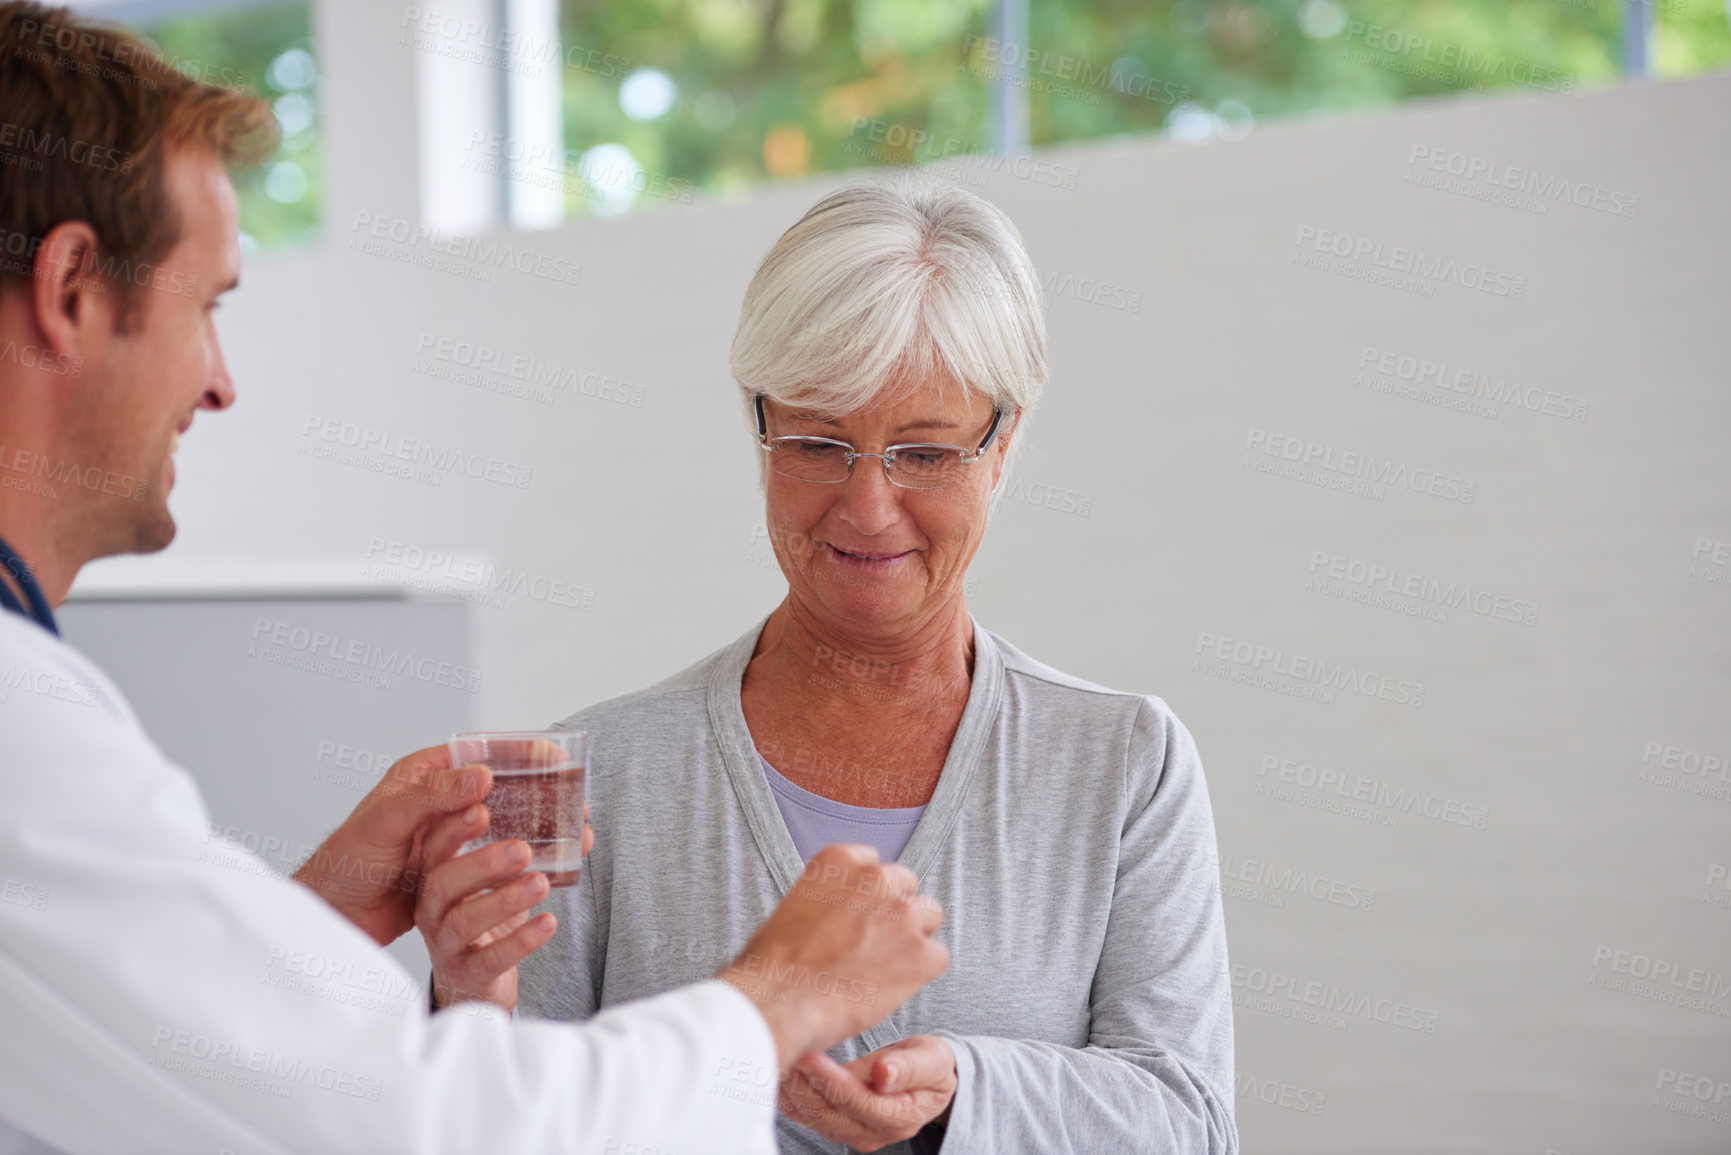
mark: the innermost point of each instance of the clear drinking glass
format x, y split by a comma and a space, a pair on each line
537, 793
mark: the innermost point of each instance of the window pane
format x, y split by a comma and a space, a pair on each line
1239, 61
705, 97
715, 96
268, 51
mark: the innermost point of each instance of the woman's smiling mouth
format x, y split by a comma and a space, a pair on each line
871, 561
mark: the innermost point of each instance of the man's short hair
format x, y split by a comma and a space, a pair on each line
87, 111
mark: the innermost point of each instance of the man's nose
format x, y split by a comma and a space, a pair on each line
219, 394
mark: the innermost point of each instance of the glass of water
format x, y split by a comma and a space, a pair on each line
537, 793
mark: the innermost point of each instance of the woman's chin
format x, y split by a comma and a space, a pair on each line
869, 601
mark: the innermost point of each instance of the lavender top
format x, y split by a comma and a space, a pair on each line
816, 822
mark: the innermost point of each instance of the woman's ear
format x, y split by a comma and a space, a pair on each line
1001, 446
1005, 434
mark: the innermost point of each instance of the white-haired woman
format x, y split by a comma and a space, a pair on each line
889, 350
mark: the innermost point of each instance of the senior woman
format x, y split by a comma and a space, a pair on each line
890, 349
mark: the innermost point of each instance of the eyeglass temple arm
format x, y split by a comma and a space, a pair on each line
992, 433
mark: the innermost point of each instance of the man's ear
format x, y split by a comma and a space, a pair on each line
66, 289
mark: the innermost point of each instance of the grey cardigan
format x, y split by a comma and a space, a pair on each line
1069, 840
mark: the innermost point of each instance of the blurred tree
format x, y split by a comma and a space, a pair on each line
721, 95
267, 51
770, 88
776, 87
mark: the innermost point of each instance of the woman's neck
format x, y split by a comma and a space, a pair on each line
808, 656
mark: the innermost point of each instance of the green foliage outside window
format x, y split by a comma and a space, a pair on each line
267, 51
770, 88
719, 96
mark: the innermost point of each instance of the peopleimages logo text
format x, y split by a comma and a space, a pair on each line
1333, 999
1305, 668
490, 252
1483, 67
1326, 780
367, 655
1543, 188
1400, 259
1373, 576
1361, 466
1499, 391
441, 459
1060, 66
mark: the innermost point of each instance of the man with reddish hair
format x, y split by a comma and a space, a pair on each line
137, 952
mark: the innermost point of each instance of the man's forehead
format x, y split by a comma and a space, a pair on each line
201, 193
194, 173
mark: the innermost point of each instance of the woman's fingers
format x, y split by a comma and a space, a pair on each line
446, 836
449, 884
489, 962
829, 1098
476, 971
796, 1096
458, 976
476, 910
831, 1080
471, 919
920, 1062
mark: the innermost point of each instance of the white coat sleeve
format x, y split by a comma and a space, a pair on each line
162, 989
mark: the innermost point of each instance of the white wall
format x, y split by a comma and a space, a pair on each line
1149, 413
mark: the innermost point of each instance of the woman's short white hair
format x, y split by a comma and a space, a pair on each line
883, 287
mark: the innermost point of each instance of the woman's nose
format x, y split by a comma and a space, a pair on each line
868, 502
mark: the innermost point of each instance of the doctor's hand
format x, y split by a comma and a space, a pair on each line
846, 947
474, 911
370, 867
877, 1099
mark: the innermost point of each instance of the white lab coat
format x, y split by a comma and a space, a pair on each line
163, 990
